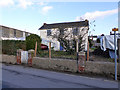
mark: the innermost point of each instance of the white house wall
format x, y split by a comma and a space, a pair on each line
43, 33
47, 39
55, 43
86, 36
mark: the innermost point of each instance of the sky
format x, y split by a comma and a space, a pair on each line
29, 15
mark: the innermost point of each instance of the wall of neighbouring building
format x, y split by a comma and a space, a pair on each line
19, 34
10, 32
5, 32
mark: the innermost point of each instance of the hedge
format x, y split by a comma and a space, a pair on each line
10, 46
31, 41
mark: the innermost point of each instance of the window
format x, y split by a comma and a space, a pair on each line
75, 31
23, 34
61, 32
48, 32
14, 33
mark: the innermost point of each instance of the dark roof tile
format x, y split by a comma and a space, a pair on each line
65, 25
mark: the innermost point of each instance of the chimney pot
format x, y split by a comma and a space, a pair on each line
44, 23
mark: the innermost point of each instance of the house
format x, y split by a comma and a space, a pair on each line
74, 29
8, 33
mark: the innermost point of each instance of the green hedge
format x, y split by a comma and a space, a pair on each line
31, 41
10, 46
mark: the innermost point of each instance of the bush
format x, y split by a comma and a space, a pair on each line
31, 41
90, 42
102, 53
10, 46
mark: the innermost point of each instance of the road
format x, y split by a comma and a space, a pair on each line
16, 76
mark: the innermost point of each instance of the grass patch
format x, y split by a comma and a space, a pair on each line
56, 54
63, 54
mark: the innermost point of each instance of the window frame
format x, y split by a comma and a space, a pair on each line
49, 32
75, 31
14, 32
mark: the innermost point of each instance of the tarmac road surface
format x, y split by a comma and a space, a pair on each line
16, 76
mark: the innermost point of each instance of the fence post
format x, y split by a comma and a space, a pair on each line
77, 55
49, 50
35, 48
88, 51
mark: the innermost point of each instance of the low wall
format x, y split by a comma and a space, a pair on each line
9, 59
107, 68
56, 64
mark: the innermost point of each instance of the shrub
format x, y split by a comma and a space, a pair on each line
90, 42
31, 41
10, 46
102, 53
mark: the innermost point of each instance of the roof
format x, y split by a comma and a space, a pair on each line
14, 29
64, 25
95, 36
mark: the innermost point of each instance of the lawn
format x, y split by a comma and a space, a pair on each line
57, 54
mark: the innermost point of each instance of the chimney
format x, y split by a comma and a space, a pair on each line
110, 33
102, 35
44, 23
86, 20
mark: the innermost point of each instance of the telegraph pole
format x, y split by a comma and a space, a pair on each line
115, 29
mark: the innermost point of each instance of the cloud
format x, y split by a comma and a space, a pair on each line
24, 3
4, 3
46, 9
42, 3
97, 14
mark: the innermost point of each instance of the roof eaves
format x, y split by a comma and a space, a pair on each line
66, 24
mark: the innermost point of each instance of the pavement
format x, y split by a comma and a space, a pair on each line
17, 76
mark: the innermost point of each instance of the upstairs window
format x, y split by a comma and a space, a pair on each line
75, 31
48, 32
14, 33
61, 32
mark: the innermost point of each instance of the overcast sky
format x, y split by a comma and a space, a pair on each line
29, 15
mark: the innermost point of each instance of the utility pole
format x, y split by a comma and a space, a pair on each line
115, 29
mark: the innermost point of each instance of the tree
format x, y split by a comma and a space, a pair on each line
92, 27
68, 40
31, 41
